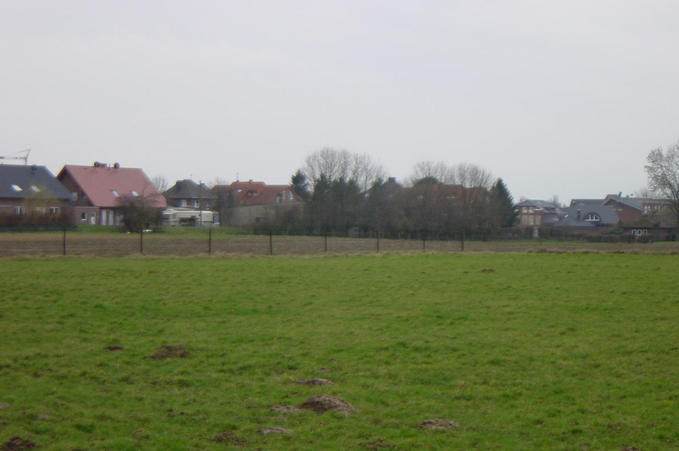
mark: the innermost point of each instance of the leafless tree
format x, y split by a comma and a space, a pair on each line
161, 183
662, 170
433, 170
335, 165
217, 181
465, 174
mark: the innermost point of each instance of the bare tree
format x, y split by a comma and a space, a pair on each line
217, 181
160, 182
336, 165
662, 169
436, 171
464, 174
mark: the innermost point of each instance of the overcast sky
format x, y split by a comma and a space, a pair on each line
557, 98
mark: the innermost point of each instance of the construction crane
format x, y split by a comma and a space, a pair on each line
20, 155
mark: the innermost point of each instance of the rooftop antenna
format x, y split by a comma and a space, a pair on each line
20, 155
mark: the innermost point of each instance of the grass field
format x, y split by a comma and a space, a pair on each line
523, 351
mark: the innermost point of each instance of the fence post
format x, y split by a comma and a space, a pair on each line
63, 242
270, 243
462, 241
378, 241
325, 242
209, 241
141, 241
424, 242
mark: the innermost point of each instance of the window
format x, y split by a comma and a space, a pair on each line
18, 210
35, 189
115, 193
54, 210
182, 203
592, 217
83, 217
134, 193
16, 188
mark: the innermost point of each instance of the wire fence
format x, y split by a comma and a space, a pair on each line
206, 242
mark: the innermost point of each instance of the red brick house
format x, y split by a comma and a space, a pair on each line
100, 190
254, 202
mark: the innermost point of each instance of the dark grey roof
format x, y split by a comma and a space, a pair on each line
21, 182
633, 202
574, 216
188, 189
590, 202
543, 204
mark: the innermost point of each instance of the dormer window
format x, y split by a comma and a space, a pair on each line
592, 217
35, 189
115, 193
16, 188
134, 193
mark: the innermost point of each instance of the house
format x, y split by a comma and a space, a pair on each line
100, 191
29, 189
189, 194
251, 202
536, 213
589, 215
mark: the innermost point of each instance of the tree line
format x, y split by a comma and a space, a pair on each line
349, 194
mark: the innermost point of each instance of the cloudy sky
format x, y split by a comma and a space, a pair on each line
557, 98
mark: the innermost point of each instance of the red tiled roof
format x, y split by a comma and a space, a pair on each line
98, 183
257, 193
268, 195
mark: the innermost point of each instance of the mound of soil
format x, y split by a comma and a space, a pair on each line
378, 443
114, 348
275, 430
323, 403
284, 409
230, 438
169, 352
438, 424
315, 381
18, 443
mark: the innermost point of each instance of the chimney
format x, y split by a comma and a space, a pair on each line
579, 214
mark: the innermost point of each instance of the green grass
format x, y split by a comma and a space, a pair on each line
525, 351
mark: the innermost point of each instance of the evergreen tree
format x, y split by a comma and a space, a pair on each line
300, 185
502, 205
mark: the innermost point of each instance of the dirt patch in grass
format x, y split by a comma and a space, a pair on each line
487, 270
170, 352
229, 438
315, 381
323, 403
114, 348
438, 424
378, 443
284, 409
18, 443
4, 405
275, 430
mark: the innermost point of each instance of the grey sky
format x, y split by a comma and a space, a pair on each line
562, 98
